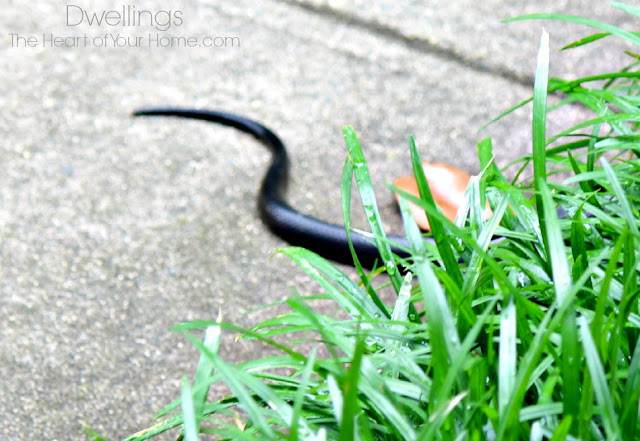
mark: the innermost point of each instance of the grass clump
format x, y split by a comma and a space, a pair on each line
532, 337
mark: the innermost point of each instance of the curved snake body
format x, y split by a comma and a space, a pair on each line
327, 240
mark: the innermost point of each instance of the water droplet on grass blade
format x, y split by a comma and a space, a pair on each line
391, 268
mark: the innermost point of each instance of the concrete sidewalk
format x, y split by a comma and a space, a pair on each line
114, 229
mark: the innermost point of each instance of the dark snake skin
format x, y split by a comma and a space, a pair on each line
328, 240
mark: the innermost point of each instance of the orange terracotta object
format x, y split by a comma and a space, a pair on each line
447, 184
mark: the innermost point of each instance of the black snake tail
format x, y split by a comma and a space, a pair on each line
328, 240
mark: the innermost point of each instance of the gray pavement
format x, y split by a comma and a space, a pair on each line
112, 229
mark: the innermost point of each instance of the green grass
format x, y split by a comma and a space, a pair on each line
532, 338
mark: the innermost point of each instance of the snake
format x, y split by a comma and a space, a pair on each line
326, 239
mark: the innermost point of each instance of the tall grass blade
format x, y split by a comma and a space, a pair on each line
444, 337
303, 389
240, 383
555, 243
562, 431
351, 406
337, 400
507, 356
400, 313
347, 175
554, 315
484, 240
191, 421
466, 313
539, 131
614, 30
633, 10
462, 234
600, 385
629, 411
431, 430
370, 205
570, 368
458, 364
439, 233
621, 197
355, 302
605, 291
205, 366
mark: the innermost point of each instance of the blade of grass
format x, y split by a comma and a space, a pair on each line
443, 333
205, 367
561, 432
351, 405
462, 357
570, 367
303, 389
438, 418
485, 154
444, 336
439, 233
586, 186
622, 198
609, 118
629, 411
605, 284
554, 315
578, 246
629, 9
400, 312
413, 234
538, 411
536, 433
500, 276
555, 243
355, 302
585, 40
507, 356
95, 436
484, 240
563, 86
599, 381
509, 423
239, 382
585, 416
372, 385
627, 303
191, 424
630, 36
370, 205
337, 401
539, 136
347, 174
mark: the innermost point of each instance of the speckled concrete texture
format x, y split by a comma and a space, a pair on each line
113, 229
